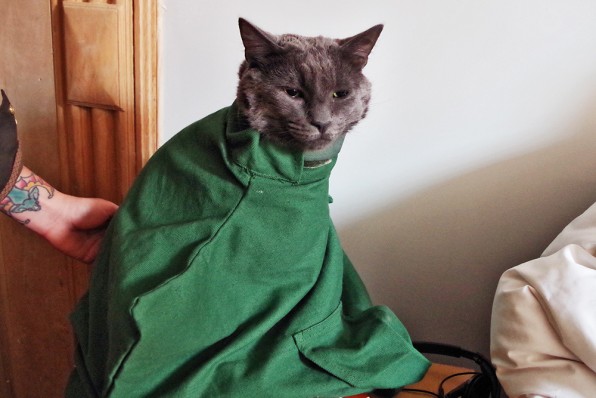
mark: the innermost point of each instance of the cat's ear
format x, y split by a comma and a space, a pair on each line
358, 47
258, 44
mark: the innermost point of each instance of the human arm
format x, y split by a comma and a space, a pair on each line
73, 225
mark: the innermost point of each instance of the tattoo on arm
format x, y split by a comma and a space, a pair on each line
25, 196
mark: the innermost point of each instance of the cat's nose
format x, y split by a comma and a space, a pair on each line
321, 126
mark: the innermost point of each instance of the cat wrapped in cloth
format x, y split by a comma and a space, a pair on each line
222, 274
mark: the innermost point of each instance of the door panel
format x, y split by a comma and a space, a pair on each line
95, 60
81, 140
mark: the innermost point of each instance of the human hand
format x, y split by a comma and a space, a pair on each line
79, 225
73, 225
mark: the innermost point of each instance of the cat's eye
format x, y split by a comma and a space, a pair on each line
292, 92
341, 94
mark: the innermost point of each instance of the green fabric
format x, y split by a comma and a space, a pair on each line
222, 276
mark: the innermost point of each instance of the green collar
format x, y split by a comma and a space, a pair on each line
256, 156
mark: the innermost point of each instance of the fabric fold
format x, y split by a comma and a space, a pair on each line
222, 252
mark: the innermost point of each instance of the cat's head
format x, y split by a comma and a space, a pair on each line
304, 92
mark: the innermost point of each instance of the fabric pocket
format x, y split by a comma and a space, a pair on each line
369, 350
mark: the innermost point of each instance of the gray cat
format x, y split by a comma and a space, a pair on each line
222, 275
305, 92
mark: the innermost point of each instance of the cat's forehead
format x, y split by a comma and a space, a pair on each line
311, 58
305, 43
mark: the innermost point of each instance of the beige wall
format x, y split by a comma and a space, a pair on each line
478, 149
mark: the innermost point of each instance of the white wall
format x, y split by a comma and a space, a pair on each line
480, 144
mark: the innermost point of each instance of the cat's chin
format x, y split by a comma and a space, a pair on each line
318, 145
328, 151
299, 144
314, 143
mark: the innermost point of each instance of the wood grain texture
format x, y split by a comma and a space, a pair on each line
84, 148
35, 296
98, 111
93, 53
146, 41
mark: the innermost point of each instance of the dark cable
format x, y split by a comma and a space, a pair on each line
442, 391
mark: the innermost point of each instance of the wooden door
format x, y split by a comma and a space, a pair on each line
82, 77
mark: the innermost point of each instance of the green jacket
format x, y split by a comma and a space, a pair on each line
222, 276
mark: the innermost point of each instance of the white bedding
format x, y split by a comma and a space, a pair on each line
543, 333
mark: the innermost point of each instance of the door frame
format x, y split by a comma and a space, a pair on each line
146, 41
